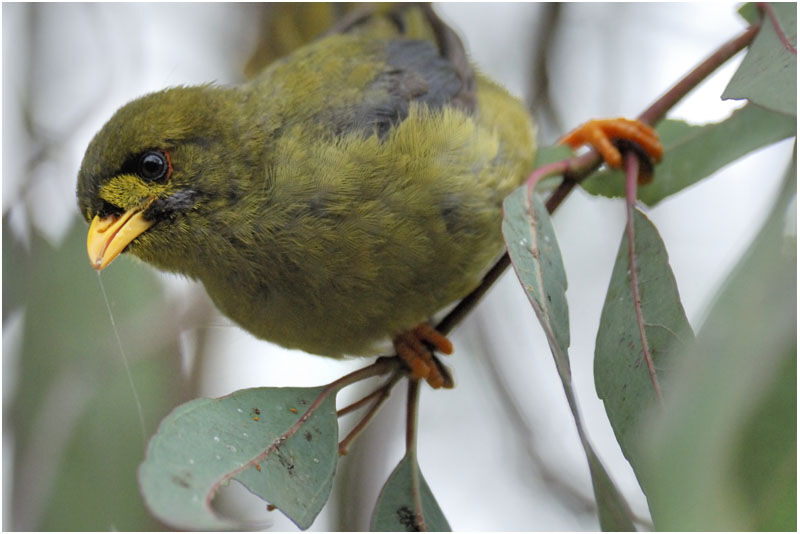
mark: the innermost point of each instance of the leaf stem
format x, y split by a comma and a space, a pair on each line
366, 399
381, 366
631, 181
412, 409
382, 393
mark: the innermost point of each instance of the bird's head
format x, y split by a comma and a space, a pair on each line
154, 172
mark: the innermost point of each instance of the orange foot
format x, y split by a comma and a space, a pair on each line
415, 347
600, 133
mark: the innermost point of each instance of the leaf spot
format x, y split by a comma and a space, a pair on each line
408, 519
182, 480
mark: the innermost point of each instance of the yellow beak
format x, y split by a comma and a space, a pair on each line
108, 236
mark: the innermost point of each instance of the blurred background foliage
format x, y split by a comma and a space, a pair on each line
72, 438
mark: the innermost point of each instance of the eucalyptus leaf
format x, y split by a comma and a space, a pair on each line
722, 455
622, 375
694, 152
749, 12
532, 245
258, 436
768, 73
536, 257
395, 509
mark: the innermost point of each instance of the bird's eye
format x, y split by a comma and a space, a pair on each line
154, 165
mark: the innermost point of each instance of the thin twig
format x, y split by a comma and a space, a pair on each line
364, 400
382, 394
467, 303
659, 109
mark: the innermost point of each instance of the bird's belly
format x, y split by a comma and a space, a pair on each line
337, 313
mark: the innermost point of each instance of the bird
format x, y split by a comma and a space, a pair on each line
337, 200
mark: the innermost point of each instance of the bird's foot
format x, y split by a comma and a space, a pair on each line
415, 347
603, 133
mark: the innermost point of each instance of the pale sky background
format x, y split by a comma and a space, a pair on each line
614, 60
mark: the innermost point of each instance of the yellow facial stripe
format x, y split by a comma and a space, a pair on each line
128, 190
109, 235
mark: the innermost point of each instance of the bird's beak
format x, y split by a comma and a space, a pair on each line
108, 236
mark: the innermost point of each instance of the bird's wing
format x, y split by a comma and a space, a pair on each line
364, 74
417, 22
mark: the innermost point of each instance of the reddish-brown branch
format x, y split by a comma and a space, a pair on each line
362, 401
659, 109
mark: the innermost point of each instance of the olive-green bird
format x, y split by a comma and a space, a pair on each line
339, 199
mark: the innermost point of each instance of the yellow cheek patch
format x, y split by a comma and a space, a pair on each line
127, 191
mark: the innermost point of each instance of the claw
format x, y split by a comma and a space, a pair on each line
412, 347
600, 133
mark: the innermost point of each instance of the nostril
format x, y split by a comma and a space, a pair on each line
107, 208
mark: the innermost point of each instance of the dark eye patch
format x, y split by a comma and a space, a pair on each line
150, 165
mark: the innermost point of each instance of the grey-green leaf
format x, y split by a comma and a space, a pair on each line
395, 509
532, 245
256, 436
749, 12
723, 455
622, 376
534, 252
694, 152
613, 511
768, 73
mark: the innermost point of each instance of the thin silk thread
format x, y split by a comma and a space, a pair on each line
124, 359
